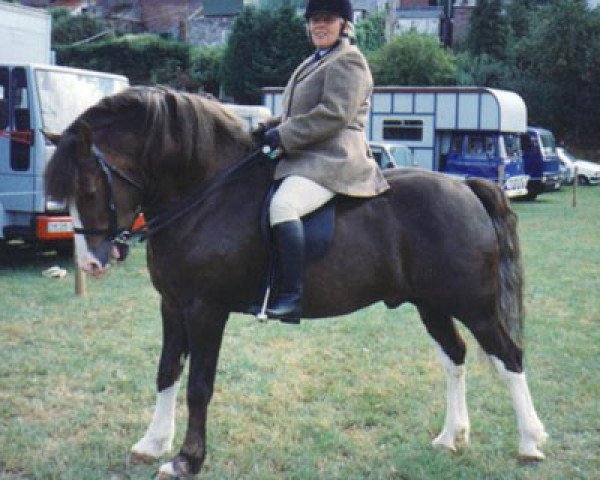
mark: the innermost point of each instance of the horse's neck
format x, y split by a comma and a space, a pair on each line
183, 186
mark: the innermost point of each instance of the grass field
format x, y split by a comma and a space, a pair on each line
359, 397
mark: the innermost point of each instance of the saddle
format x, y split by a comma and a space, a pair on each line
319, 227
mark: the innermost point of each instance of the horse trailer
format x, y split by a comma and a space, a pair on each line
461, 131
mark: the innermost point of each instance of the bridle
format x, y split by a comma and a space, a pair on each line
113, 233
122, 237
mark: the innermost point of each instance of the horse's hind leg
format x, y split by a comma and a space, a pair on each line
158, 438
451, 353
508, 359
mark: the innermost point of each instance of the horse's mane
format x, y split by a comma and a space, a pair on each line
173, 132
179, 128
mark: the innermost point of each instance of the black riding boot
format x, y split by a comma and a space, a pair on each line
289, 248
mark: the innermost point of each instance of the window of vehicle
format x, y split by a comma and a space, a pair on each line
402, 156
20, 143
65, 95
481, 145
512, 144
548, 144
456, 145
4, 97
408, 130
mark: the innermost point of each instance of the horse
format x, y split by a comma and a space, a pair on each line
448, 246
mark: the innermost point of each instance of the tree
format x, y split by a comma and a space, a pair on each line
68, 29
263, 50
144, 59
205, 68
413, 59
555, 70
370, 32
488, 31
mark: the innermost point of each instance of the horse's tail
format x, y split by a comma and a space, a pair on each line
510, 272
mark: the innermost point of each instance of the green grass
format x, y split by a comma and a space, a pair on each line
358, 397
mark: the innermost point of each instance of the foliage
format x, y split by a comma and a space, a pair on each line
370, 32
144, 59
488, 32
205, 68
264, 48
413, 59
556, 69
481, 70
68, 29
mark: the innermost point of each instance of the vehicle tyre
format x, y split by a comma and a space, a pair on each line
582, 180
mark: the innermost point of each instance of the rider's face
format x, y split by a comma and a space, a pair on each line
325, 29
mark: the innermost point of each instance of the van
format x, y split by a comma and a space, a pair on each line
541, 161
33, 98
488, 155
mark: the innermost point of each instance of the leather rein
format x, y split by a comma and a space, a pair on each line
124, 236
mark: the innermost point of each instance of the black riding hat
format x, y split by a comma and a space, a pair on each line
341, 8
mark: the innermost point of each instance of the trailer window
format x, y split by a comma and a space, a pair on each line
407, 130
3, 98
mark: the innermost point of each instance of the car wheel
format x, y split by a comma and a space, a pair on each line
582, 180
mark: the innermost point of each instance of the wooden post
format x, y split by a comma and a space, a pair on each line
575, 182
80, 276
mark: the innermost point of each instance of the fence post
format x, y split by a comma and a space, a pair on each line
80, 276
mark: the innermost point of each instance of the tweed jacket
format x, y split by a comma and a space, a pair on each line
325, 107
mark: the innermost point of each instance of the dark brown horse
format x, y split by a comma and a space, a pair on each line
449, 247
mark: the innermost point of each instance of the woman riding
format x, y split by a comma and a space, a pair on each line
321, 136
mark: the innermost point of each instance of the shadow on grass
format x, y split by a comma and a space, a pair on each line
20, 255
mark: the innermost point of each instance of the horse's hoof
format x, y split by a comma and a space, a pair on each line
443, 445
178, 467
532, 457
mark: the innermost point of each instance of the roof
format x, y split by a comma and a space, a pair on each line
219, 8
431, 12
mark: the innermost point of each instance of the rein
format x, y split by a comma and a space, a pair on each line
164, 219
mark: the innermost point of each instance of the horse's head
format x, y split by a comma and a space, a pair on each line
102, 193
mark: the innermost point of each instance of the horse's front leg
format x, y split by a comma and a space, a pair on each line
204, 326
158, 438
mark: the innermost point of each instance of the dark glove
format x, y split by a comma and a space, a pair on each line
272, 138
258, 134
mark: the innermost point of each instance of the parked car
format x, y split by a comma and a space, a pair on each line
567, 165
390, 155
588, 173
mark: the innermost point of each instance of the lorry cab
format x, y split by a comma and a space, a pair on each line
541, 161
36, 97
487, 155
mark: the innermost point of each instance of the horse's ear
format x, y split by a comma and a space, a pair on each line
53, 138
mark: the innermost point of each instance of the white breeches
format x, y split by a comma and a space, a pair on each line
297, 196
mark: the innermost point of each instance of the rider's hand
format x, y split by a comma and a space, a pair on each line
273, 139
258, 134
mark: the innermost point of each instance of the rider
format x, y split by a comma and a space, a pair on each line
321, 136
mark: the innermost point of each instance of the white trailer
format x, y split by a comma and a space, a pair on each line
25, 34
432, 121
